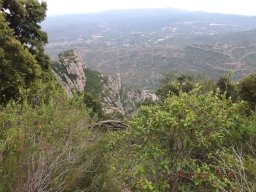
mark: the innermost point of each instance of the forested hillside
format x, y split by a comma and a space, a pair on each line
142, 44
199, 135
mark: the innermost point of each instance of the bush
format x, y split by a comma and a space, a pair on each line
191, 142
94, 104
48, 147
247, 90
227, 87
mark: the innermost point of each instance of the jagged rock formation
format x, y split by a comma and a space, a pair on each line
72, 73
113, 100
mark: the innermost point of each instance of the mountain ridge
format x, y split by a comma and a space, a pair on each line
141, 45
73, 74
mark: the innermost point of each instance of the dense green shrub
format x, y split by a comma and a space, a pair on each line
48, 147
94, 104
247, 90
191, 142
94, 83
173, 84
227, 87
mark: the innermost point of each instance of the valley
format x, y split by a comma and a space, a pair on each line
136, 100
142, 45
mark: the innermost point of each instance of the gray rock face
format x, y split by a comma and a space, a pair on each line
70, 71
113, 89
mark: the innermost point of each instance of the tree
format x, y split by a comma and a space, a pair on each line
226, 87
94, 104
247, 90
22, 57
18, 67
184, 83
24, 16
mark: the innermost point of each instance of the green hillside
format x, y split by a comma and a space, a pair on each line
59, 132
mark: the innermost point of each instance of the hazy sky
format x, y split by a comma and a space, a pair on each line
244, 7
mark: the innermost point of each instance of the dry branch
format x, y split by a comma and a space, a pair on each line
109, 125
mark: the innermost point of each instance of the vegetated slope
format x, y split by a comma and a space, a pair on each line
143, 67
49, 146
143, 44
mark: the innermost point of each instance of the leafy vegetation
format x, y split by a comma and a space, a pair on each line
18, 68
191, 142
22, 57
24, 18
247, 90
199, 137
94, 104
174, 84
94, 83
67, 53
48, 147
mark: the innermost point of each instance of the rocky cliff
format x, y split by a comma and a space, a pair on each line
72, 73
113, 91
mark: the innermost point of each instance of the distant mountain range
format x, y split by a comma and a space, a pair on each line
142, 44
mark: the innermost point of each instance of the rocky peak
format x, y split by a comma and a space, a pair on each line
115, 83
70, 71
114, 86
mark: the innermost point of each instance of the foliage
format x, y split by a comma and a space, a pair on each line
66, 54
93, 104
183, 82
247, 90
22, 57
24, 18
94, 83
227, 87
172, 84
44, 91
191, 142
146, 102
18, 68
48, 147
194, 140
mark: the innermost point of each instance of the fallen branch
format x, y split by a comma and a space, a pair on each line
109, 125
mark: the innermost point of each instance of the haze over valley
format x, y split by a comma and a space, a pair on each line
142, 44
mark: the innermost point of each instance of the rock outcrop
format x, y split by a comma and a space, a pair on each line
72, 73
112, 90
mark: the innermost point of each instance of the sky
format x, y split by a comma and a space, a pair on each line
242, 7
